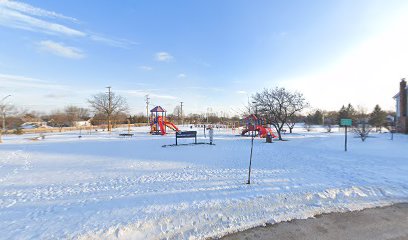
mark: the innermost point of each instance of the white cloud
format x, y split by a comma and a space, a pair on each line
241, 92
56, 96
143, 93
163, 57
60, 49
146, 68
8, 80
181, 75
121, 43
10, 17
26, 17
26, 8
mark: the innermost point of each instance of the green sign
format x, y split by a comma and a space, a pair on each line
345, 122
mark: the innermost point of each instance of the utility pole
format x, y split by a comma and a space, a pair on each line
147, 109
181, 113
109, 108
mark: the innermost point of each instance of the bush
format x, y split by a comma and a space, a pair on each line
18, 131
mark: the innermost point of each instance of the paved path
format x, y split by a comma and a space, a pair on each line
386, 223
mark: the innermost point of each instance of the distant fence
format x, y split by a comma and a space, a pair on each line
83, 128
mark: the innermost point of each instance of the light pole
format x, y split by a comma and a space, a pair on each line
252, 146
3, 116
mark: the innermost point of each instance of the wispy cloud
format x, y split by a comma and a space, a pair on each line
26, 17
142, 93
15, 19
146, 68
23, 7
8, 80
181, 75
60, 49
114, 42
163, 57
241, 92
55, 96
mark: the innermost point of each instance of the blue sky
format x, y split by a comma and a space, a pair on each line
211, 55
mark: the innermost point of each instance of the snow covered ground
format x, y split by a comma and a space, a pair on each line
106, 186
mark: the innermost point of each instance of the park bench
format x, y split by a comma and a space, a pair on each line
126, 134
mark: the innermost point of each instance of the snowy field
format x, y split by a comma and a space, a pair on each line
103, 186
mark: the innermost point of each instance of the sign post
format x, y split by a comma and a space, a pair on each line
345, 122
187, 134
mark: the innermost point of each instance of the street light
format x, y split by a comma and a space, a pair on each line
4, 117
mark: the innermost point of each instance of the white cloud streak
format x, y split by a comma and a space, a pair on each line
60, 49
26, 8
26, 17
163, 57
146, 68
14, 19
142, 93
181, 75
11, 81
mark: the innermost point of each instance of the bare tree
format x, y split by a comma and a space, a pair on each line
177, 113
307, 126
362, 128
5, 110
108, 104
292, 122
329, 120
75, 114
59, 119
278, 105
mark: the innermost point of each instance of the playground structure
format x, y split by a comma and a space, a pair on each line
254, 124
159, 123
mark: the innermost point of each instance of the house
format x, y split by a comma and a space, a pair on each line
33, 125
402, 108
82, 123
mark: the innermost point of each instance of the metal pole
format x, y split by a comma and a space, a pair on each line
345, 140
250, 159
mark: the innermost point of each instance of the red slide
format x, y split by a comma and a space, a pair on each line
171, 126
264, 131
162, 129
162, 125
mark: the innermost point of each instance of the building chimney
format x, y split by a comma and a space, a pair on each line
403, 98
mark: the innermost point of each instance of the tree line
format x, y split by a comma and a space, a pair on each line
278, 107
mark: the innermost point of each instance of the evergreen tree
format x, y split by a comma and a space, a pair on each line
347, 112
318, 117
378, 118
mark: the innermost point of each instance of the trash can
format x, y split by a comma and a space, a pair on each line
268, 137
